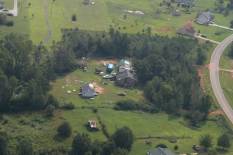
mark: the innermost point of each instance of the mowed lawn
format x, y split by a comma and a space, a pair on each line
43, 20
74, 81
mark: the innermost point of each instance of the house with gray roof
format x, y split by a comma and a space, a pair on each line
126, 79
160, 151
185, 3
88, 91
205, 18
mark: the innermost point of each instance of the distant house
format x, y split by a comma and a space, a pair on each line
126, 79
205, 18
88, 2
124, 65
185, 3
187, 30
88, 91
176, 13
160, 151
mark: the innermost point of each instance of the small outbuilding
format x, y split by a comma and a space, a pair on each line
92, 124
205, 18
88, 91
160, 151
88, 2
110, 68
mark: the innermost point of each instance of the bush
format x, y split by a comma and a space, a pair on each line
68, 106
9, 23
130, 105
123, 138
74, 18
64, 130
50, 110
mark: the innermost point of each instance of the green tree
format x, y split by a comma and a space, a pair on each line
224, 141
123, 138
231, 51
64, 130
206, 141
25, 147
81, 144
3, 144
201, 57
231, 24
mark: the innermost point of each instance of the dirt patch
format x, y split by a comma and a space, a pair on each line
108, 61
164, 29
98, 89
216, 113
200, 72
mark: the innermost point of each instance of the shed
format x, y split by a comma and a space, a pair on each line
92, 124
88, 91
160, 151
110, 68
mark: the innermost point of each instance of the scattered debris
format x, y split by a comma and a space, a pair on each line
136, 12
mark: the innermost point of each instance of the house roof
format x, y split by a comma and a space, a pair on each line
110, 66
88, 91
185, 2
160, 151
188, 29
205, 18
125, 74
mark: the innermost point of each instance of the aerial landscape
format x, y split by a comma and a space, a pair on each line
116, 77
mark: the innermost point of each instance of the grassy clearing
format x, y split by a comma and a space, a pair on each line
78, 78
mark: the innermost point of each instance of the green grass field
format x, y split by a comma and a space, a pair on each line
43, 20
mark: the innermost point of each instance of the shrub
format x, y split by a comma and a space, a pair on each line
68, 106
64, 130
123, 138
130, 105
74, 18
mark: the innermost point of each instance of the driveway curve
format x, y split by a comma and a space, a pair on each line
214, 77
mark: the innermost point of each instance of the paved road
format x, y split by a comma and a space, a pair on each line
214, 77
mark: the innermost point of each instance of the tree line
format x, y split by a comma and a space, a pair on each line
120, 143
